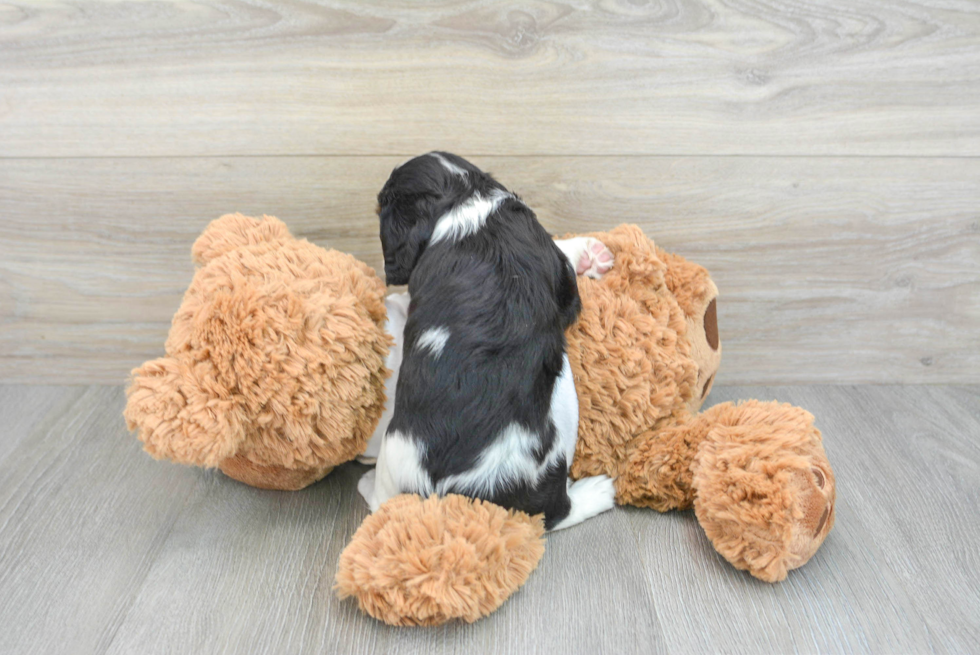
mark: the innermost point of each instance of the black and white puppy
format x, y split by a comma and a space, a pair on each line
485, 404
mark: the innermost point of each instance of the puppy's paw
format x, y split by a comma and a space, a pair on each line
589, 497
596, 259
365, 486
596, 494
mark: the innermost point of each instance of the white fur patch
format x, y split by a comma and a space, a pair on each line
509, 459
434, 339
468, 217
448, 165
589, 496
365, 487
564, 411
399, 470
397, 305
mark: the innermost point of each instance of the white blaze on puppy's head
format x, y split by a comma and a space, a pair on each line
448, 165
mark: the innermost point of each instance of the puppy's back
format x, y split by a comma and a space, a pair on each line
484, 344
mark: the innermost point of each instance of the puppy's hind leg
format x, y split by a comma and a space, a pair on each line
589, 497
397, 306
365, 487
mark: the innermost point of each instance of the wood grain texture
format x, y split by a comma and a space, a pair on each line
103, 550
830, 269
228, 77
898, 573
253, 572
33, 406
82, 514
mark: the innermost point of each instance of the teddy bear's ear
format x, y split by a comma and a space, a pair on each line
178, 419
234, 231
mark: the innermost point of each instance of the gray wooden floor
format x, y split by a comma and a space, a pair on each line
103, 549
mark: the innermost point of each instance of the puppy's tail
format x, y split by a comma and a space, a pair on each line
426, 562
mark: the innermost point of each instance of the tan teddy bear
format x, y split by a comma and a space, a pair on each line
275, 373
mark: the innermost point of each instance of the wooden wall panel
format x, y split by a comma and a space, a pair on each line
568, 77
831, 270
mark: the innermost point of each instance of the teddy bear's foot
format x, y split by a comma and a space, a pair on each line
765, 490
271, 477
426, 562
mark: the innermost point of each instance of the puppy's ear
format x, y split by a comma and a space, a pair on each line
402, 248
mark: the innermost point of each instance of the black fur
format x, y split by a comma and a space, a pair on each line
506, 294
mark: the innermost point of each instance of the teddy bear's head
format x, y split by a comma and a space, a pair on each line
275, 361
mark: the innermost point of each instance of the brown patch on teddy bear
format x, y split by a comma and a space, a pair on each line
711, 325
277, 478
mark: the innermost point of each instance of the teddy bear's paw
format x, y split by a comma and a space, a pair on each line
179, 418
765, 489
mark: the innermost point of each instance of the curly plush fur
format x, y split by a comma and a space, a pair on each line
275, 361
765, 490
630, 354
644, 354
425, 562
275, 372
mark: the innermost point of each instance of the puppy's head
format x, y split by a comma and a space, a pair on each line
413, 199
